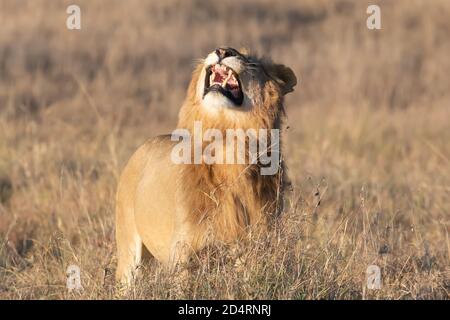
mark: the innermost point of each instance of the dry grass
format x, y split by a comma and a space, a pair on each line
367, 145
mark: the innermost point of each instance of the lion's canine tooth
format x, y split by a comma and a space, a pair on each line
230, 74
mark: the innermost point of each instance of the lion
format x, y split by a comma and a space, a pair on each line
174, 210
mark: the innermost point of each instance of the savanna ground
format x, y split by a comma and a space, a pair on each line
367, 144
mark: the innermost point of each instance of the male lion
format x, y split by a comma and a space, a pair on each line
176, 209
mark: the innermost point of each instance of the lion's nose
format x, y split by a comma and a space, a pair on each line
222, 53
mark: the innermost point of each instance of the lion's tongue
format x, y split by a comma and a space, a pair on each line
218, 77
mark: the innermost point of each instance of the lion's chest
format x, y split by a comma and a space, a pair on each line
228, 200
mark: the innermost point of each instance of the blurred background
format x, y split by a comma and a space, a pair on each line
367, 131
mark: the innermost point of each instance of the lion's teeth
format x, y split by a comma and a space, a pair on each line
230, 74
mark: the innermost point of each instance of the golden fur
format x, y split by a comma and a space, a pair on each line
175, 209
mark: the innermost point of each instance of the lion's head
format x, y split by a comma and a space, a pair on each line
236, 88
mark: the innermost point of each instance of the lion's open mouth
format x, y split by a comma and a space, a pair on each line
222, 79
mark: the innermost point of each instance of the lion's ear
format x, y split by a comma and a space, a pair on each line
284, 76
